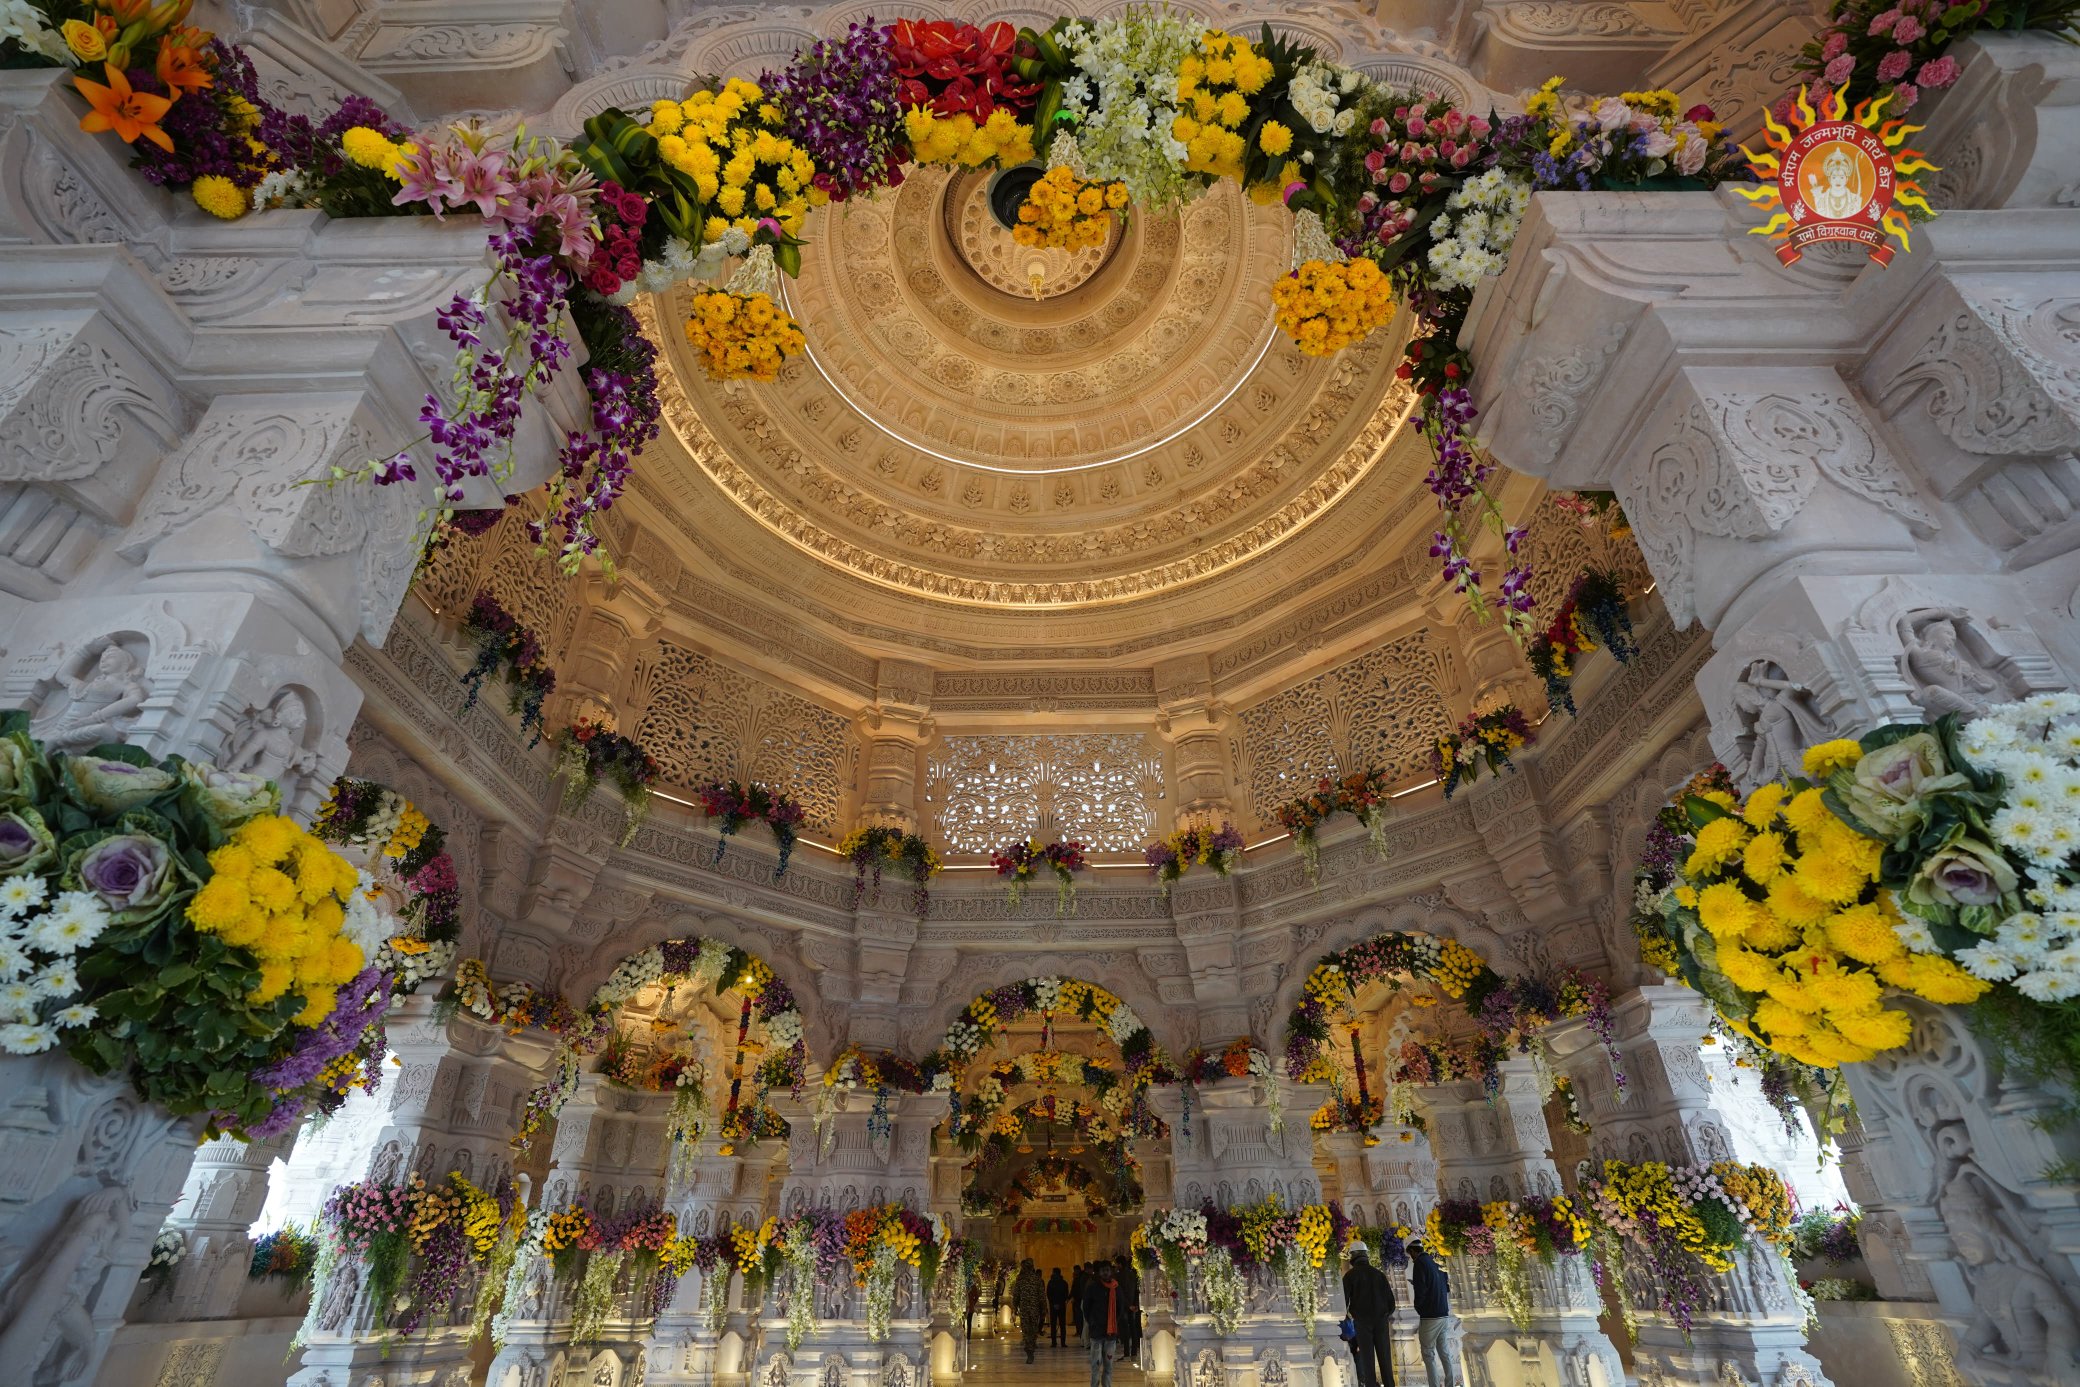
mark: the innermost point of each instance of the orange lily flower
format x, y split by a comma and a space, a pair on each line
182, 71
118, 108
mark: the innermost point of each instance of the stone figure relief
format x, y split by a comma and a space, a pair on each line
269, 741
103, 702
1778, 721
2025, 1320
1950, 666
338, 1309
45, 1326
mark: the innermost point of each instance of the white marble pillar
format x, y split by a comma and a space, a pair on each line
225, 1191
683, 1348
1493, 1147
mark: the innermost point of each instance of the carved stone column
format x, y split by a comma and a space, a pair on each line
1198, 724
1862, 483
1224, 1147
222, 1198
896, 728
1496, 1147
456, 1101
685, 1348
1752, 1322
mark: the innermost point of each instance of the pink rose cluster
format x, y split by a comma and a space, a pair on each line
1906, 48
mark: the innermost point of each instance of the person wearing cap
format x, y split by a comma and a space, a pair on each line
1432, 1285
1104, 1321
1368, 1299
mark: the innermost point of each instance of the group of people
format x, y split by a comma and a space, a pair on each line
1368, 1301
1101, 1305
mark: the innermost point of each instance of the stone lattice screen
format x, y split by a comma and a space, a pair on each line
1101, 789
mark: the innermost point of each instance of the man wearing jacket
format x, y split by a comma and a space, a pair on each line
1057, 1310
1105, 1317
1432, 1286
1369, 1300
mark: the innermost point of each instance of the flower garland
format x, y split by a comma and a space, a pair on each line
1219, 849
1592, 615
430, 1233
163, 921
1238, 1059
1119, 1108
1024, 861
1332, 986
507, 648
737, 804
1510, 1231
1362, 794
405, 858
589, 751
1482, 741
1688, 1222
1048, 997
871, 849
881, 1074
1225, 1246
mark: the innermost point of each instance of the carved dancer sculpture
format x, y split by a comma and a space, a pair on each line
103, 704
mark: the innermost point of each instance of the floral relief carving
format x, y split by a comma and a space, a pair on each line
66, 418
1999, 377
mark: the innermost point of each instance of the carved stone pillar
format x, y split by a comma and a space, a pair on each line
616, 620
896, 728
455, 1103
1198, 725
1752, 1321
1207, 929
686, 1348
863, 1159
222, 1198
1863, 484
1497, 1147
1225, 1147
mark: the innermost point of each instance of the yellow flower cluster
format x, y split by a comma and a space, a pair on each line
742, 336
411, 827
481, 1220
220, 197
743, 168
1649, 1187
1328, 983
750, 1243
1457, 967
564, 1229
432, 1210
1214, 86
277, 891
1762, 1193
936, 139
1325, 306
1313, 1237
1063, 212
677, 1257
1789, 895
372, 149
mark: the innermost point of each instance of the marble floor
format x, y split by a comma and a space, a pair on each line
998, 1359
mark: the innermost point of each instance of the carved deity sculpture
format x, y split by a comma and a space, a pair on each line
2024, 1319
1777, 719
46, 1332
1949, 665
269, 741
104, 702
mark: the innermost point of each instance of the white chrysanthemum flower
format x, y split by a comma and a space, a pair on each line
2023, 937
21, 894
78, 1014
18, 1000
2048, 986
27, 1039
1916, 935
1988, 961
56, 981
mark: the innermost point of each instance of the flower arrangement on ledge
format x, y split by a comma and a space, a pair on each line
1687, 1223
1511, 1231
1483, 741
1361, 794
162, 921
738, 804
1219, 849
589, 751
1224, 1246
510, 650
287, 1255
406, 860
873, 848
1024, 861
883, 1075
1238, 1059
1592, 616
1902, 47
411, 1244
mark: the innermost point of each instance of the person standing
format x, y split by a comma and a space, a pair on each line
1130, 1332
1104, 1314
1029, 1303
1432, 1286
974, 1301
1078, 1284
1057, 1310
1368, 1299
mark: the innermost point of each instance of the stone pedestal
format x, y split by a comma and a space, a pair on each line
1752, 1321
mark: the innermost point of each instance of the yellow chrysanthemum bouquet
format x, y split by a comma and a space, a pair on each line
1326, 305
1062, 212
1782, 922
742, 336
